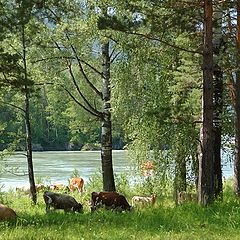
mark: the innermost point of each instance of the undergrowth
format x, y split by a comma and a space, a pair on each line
164, 220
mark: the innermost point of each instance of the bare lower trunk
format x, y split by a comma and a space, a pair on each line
28, 125
206, 177
180, 173
237, 141
237, 109
218, 107
29, 153
106, 150
218, 101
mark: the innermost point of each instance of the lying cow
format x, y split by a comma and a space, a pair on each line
40, 187
26, 189
59, 187
186, 197
7, 213
61, 201
144, 201
111, 200
76, 184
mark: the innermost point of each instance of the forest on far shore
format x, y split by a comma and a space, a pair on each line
54, 138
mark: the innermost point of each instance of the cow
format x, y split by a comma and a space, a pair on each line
76, 184
40, 187
7, 213
111, 200
26, 189
186, 197
59, 187
144, 201
61, 201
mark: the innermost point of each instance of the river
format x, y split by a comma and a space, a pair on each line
58, 166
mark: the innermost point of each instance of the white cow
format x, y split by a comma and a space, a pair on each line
144, 200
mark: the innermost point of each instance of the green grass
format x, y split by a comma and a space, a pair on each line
221, 220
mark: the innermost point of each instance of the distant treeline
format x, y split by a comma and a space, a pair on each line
55, 132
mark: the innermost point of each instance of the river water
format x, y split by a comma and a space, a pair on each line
58, 166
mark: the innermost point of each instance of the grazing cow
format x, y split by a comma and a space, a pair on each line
24, 189
144, 201
61, 201
112, 200
76, 184
39, 187
59, 187
7, 213
186, 197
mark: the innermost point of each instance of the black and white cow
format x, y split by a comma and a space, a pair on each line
61, 201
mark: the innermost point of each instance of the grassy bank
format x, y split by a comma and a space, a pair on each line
163, 221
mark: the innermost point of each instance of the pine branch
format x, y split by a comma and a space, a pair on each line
13, 105
164, 42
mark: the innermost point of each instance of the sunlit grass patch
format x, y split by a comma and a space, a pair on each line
163, 220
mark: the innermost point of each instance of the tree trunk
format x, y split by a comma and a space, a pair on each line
29, 150
28, 125
237, 109
218, 104
106, 150
218, 108
206, 177
46, 121
180, 172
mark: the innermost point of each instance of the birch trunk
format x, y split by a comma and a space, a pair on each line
106, 149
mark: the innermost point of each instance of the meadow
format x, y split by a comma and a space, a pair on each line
164, 220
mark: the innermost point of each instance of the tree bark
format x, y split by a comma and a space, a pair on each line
28, 125
206, 177
218, 108
237, 109
180, 171
29, 149
218, 104
106, 149
46, 121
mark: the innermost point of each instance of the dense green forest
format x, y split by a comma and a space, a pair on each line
146, 76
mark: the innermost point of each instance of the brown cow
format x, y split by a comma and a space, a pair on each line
112, 200
144, 201
61, 201
7, 213
76, 184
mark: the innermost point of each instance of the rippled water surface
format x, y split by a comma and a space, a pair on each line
58, 166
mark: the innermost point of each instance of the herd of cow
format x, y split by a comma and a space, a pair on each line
112, 200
